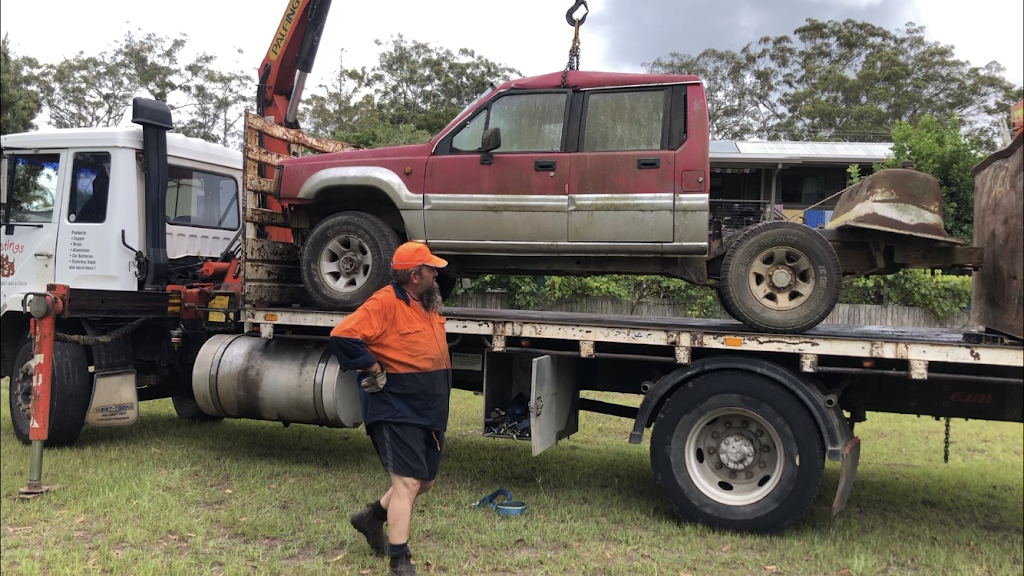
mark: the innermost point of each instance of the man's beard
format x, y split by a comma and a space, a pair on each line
431, 298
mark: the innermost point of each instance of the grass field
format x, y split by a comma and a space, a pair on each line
246, 497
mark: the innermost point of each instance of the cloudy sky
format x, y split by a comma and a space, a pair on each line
530, 35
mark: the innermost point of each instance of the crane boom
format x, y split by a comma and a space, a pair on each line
289, 60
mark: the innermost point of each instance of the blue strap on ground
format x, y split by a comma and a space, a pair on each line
507, 507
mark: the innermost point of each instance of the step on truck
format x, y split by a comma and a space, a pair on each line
153, 266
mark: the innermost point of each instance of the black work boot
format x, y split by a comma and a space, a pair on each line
402, 566
372, 528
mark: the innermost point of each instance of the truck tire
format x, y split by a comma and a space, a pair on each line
346, 259
70, 393
734, 450
188, 409
781, 277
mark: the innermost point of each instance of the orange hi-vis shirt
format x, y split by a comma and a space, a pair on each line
411, 345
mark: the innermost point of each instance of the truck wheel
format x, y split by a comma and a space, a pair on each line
188, 409
70, 393
735, 450
346, 259
781, 277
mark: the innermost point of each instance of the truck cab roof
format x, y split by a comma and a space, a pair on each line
178, 145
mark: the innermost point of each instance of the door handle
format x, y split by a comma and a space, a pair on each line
648, 163
43, 255
544, 165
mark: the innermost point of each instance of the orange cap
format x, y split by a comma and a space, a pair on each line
413, 254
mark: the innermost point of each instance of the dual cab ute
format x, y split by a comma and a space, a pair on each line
601, 173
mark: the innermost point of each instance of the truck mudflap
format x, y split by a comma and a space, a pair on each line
847, 472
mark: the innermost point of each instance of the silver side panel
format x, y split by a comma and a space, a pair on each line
504, 248
409, 204
476, 218
620, 217
691, 219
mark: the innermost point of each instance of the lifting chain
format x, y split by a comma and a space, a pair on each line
574, 49
945, 446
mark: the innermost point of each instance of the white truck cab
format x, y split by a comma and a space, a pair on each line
74, 207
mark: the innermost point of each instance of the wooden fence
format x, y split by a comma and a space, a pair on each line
863, 314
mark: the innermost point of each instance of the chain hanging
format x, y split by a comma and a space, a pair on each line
945, 446
574, 49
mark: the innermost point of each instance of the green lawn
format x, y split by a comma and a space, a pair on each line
241, 497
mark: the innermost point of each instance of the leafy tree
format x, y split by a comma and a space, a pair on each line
416, 83
942, 151
844, 80
411, 94
19, 101
96, 90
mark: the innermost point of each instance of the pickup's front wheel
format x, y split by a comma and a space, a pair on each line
346, 259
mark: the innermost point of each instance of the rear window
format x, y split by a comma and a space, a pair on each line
197, 198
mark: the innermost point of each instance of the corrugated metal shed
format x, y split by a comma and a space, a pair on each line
744, 152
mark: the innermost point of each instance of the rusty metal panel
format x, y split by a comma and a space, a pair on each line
897, 200
998, 296
262, 216
256, 123
270, 251
260, 293
255, 270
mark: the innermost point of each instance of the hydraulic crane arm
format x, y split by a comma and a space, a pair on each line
289, 60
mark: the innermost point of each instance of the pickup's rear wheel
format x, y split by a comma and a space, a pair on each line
781, 277
735, 450
346, 259
70, 393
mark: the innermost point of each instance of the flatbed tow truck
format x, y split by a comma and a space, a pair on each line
741, 422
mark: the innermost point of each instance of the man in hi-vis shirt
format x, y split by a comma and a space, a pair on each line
396, 340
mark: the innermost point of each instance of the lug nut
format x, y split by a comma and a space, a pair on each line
714, 435
760, 433
732, 475
763, 465
750, 475
765, 448
712, 450
728, 424
718, 465
744, 423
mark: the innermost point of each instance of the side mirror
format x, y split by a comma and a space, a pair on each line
489, 142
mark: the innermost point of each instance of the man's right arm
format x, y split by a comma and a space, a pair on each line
350, 337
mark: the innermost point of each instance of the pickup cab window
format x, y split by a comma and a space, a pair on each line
620, 121
528, 123
197, 198
35, 188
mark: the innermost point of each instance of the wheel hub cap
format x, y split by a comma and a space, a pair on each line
733, 456
781, 277
346, 263
349, 263
736, 452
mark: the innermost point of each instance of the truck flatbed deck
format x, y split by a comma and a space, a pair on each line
685, 334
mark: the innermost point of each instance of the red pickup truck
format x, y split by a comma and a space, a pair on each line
604, 173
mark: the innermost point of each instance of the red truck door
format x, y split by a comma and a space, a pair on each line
621, 185
515, 201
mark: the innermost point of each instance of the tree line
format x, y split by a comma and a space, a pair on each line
828, 80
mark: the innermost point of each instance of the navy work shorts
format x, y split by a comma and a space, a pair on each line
407, 449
